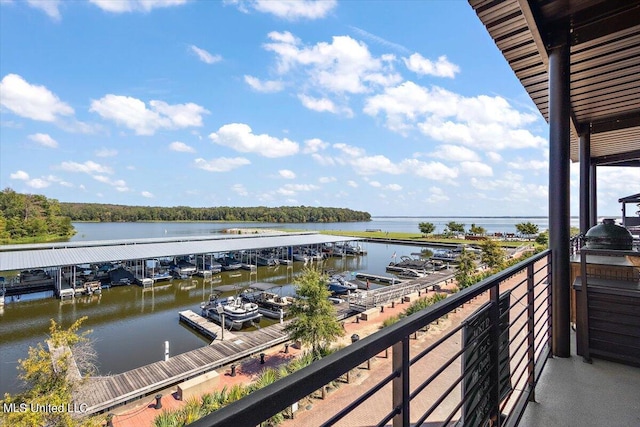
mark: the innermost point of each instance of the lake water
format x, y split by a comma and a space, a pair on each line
105, 231
130, 324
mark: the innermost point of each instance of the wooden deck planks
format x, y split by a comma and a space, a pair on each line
107, 392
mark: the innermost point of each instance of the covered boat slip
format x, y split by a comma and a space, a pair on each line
18, 257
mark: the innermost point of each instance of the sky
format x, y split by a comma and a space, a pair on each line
397, 107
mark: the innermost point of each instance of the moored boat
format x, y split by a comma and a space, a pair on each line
270, 304
235, 312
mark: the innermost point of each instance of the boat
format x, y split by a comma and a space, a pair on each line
183, 268
339, 285
207, 264
229, 263
270, 304
446, 255
121, 277
408, 262
237, 314
410, 273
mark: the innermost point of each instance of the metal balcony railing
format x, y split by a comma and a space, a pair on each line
483, 367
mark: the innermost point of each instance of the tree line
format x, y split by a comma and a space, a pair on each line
95, 212
32, 217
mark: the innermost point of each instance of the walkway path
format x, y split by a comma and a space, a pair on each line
142, 413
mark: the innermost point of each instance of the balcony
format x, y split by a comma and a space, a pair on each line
571, 392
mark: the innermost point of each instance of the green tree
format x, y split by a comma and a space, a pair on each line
527, 228
466, 269
477, 230
543, 238
426, 228
50, 382
492, 254
314, 316
454, 227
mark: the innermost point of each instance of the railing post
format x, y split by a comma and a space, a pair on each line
400, 361
531, 352
550, 303
494, 391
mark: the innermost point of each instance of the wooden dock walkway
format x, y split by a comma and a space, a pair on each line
205, 326
103, 393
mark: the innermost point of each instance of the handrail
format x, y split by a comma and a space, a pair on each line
270, 400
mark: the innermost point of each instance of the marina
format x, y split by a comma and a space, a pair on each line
141, 318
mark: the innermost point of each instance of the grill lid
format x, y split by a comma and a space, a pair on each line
608, 235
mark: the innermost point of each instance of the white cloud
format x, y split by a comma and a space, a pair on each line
423, 66
375, 184
521, 164
119, 184
286, 174
20, 175
314, 145
181, 147
222, 164
106, 152
205, 56
50, 7
134, 114
370, 165
344, 66
327, 179
147, 194
31, 101
265, 86
323, 104
38, 183
239, 189
393, 187
352, 184
476, 169
454, 153
53, 178
240, 137
33, 183
431, 170
493, 156
44, 139
292, 189
122, 6
89, 167
288, 9
437, 195
349, 150
482, 122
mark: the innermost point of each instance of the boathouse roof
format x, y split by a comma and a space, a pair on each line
25, 257
604, 41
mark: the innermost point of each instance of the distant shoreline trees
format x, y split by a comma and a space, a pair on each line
33, 218
95, 212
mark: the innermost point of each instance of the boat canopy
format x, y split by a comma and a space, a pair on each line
264, 286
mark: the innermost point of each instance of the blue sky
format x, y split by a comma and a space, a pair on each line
392, 107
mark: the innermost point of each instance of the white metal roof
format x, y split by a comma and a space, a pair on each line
99, 252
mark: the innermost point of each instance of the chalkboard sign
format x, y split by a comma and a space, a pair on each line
477, 360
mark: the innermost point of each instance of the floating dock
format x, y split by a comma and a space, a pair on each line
203, 325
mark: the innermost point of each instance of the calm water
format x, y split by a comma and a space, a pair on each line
98, 231
130, 325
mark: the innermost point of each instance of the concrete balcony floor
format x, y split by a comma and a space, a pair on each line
571, 393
